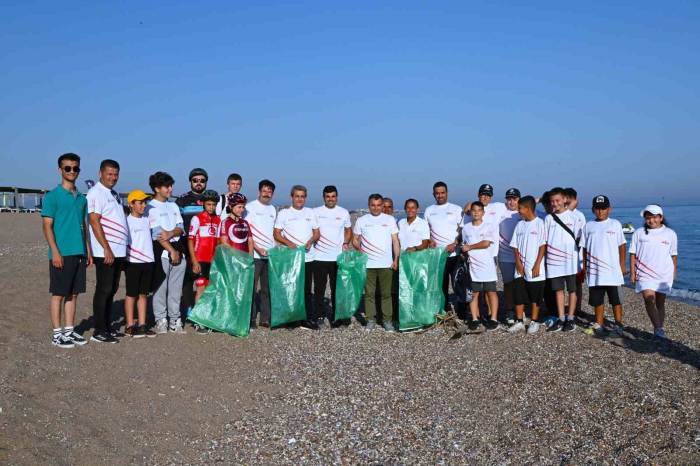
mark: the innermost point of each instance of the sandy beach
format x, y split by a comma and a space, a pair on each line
340, 396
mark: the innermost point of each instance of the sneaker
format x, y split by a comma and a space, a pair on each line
103, 338
370, 325
389, 327
474, 324
116, 334
518, 326
76, 338
569, 326
131, 331
61, 341
323, 323
510, 318
618, 329
309, 325
556, 326
491, 324
533, 328
177, 327
139, 331
660, 333
199, 330
162, 326
253, 326
147, 332
594, 329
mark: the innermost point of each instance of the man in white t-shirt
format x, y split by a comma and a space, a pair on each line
376, 235
335, 235
167, 227
604, 263
563, 234
109, 234
506, 258
260, 215
234, 183
444, 219
297, 226
494, 212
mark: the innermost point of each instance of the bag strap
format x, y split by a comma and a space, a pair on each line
566, 228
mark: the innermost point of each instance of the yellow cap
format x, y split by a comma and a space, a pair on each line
137, 195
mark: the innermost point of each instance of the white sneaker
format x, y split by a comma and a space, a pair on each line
177, 328
533, 328
516, 327
162, 326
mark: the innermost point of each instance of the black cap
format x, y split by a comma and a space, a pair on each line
513, 192
486, 189
601, 202
198, 172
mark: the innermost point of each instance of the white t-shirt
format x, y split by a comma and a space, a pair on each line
261, 219
331, 224
444, 221
412, 235
375, 241
602, 241
140, 249
482, 267
562, 257
493, 214
163, 216
106, 202
527, 238
654, 252
297, 226
510, 220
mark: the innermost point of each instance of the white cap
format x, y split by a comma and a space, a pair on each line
653, 209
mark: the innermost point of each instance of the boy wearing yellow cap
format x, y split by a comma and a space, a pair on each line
139, 268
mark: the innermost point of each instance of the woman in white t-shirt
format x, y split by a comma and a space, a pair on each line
414, 232
653, 264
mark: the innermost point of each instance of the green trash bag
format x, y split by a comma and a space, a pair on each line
420, 287
350, 284
226, 302
286, 277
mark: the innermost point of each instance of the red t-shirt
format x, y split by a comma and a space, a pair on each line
204, 230
236, 233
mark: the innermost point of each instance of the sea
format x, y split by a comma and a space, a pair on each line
685, 221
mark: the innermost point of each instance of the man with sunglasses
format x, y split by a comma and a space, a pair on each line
63, 216
191, 204
109, 236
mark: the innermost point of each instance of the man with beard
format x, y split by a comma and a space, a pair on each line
191, 204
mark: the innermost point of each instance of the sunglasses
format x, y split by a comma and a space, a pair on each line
198, 180
69, 169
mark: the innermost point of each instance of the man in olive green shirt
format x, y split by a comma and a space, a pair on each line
63, 212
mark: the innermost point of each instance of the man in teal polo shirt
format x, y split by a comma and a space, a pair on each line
64, 212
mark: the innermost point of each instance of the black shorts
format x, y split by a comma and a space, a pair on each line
206, 268
596, 295
483, 286
70, 279
525, 292
568, 281
139, 278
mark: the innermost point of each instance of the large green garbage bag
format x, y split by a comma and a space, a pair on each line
286, 278
420, 287
350, 283
225, 304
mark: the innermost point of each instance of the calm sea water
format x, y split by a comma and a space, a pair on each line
685, 221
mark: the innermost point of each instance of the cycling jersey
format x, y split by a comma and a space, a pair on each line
204, 230
236, 233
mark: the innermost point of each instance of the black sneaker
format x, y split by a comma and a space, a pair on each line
556, 326
569, 326
309, 325
139, 331
76, 338
116, 334
103, 338
473, 324
147, 332
203, 330
491, 324
61, 341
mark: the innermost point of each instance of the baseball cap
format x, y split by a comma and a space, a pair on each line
601, 202
486, 189
136, 195
237, 198
513, 192
198, 172
653, 209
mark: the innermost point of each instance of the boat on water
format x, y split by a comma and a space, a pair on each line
627, 228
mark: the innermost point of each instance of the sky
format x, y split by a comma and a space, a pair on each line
384, 97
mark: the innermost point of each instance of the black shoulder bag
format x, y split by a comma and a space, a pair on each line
566, 228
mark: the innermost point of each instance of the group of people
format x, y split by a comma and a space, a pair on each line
166, 248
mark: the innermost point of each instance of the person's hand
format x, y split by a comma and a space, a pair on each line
633, 277
165, 235
535, 271
57, 260
175, 257
262, 252
346, 246
109, 257
433, 244
196, 266
465, 248
520, 269
90, 260
308, 245
395, 264
450, 248
624, 270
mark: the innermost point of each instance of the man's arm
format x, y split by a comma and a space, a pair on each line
47, 226
347, 238
315, 235
396, 247
277, 233
480, 245
623, 256
357, 242
88, 246
100, 236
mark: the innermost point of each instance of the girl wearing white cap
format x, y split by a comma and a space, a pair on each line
653, 264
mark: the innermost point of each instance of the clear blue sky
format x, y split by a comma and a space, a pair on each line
370, 96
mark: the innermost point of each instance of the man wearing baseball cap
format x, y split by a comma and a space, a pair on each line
506, 256
191, 204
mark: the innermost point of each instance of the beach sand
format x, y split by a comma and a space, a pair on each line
338, 396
